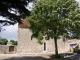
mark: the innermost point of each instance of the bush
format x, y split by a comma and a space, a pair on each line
76, 50
13, 42
4, 41
56, 56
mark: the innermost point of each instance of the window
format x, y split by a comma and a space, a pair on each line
44, 46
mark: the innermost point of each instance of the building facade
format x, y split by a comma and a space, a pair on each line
28, 46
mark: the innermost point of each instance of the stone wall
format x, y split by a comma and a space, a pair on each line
28, 46
4, 49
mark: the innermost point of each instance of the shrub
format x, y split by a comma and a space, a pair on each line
56, 56
76, 50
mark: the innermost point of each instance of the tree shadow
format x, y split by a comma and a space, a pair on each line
72, 57
68, 56
28, 58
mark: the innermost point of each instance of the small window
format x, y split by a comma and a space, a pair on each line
44, 46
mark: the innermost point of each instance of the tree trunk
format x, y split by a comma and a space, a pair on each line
56, 47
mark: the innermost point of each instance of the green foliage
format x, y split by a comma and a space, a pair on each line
4, 41
13, 42
56, 56
76, 50
18, 8
54, 18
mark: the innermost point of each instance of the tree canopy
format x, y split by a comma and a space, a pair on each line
4, 41
13, 11
13, 42
54, 18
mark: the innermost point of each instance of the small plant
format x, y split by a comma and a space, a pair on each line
70, 50
56, 56
76, 50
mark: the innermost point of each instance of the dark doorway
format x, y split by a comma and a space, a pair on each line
11, 48
44, 46
1, 42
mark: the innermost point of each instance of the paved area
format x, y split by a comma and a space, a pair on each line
22, 57
36, 57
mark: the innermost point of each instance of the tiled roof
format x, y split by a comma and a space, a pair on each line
24, 24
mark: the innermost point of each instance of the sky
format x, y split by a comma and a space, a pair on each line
11, 31
78, 1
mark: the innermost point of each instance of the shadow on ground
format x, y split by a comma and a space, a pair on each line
73, 57
68, 56
27, 58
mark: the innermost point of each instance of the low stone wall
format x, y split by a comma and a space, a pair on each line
4, 49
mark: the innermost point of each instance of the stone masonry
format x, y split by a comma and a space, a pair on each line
28, 46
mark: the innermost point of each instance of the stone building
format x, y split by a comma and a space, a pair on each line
28, 46
8, 49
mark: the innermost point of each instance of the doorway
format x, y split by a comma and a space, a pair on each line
11, 48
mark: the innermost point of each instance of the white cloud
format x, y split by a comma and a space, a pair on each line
78, 1
29, 7
11, 32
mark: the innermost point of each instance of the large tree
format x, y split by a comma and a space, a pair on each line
13, 11
54, 18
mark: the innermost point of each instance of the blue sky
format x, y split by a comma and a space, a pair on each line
12, 31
